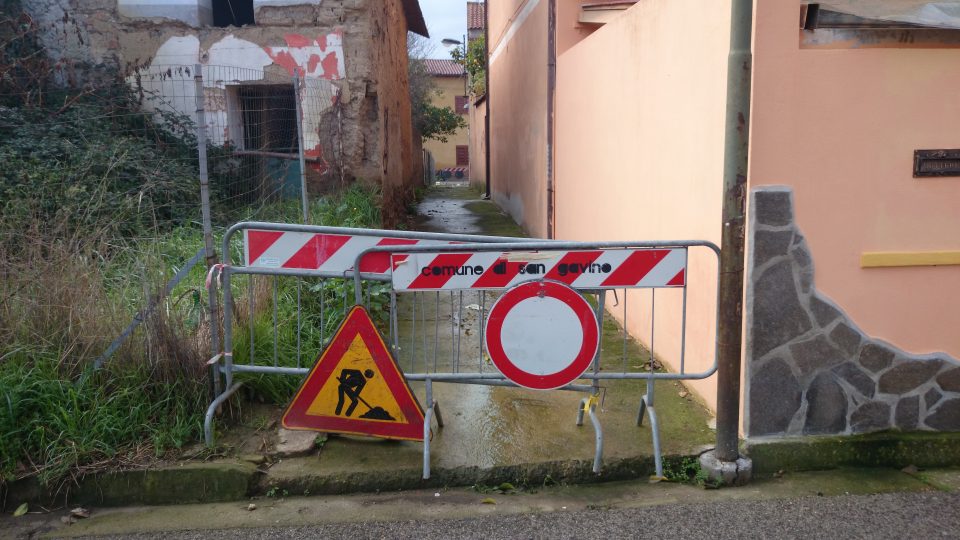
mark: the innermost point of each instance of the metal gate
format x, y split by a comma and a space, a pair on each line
427, 320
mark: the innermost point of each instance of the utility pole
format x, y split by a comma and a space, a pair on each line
724, 464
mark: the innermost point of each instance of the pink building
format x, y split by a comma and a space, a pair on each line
607, 123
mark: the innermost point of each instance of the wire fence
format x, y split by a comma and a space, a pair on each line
269, 136
113, 169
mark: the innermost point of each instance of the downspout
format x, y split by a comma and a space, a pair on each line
551, 94
727, 466
486, 117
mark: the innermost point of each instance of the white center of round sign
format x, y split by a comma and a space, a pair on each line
541, 335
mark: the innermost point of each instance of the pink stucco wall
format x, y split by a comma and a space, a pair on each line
840, 126
518, 120
640, 114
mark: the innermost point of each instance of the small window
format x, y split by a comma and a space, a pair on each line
834, 14
463, 155
232, 13
461, 103
269, 118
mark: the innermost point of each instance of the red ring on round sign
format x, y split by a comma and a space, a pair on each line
559, 291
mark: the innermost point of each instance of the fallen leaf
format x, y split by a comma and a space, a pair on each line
21, 510
655, 479
251, 507
488, 500
683, 393
80, 513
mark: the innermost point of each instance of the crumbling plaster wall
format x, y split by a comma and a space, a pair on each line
373, 126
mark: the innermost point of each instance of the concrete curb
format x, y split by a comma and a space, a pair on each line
234, 480
887, 449
177, 484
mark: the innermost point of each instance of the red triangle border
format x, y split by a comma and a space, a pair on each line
357, 322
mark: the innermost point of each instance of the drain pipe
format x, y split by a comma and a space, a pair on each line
551, 95
724, 464
486, 117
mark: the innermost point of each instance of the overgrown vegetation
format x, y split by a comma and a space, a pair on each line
99, 204
473, 59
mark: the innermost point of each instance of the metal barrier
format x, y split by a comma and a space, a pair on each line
321, 254
430, 323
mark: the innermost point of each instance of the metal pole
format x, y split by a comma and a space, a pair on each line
209, 251
551, 94
736, 148
300, 142
486, 117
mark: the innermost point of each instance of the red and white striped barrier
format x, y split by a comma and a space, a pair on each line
333, 253
582, 269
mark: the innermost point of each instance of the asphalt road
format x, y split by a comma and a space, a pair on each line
923, 515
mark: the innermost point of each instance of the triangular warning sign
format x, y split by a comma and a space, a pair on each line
356, 387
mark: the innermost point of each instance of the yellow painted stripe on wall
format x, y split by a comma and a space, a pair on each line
909, 258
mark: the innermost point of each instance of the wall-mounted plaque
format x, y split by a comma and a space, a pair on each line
936, 163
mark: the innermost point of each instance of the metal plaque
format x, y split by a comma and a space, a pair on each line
936, 163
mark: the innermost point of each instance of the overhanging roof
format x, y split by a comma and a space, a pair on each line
415, 22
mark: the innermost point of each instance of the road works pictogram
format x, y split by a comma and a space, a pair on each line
357, 388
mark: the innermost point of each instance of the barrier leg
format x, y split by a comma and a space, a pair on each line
427, 420
598, 434
436, 412
583, 405
654, 427
214, 405
640, 411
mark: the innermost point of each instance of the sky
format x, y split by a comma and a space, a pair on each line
445, 19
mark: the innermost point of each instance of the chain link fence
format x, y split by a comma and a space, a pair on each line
145, 171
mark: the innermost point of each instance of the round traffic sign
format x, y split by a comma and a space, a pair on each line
542, 334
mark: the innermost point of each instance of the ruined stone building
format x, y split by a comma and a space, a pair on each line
349, 55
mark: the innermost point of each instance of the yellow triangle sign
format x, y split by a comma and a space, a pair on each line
356, 387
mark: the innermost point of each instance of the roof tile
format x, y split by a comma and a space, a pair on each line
443, 68
475, 15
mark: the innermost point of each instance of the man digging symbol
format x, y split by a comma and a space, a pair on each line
351, 384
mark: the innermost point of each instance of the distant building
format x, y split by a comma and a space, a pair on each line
351, 55
476, 27
476, 15
453, 156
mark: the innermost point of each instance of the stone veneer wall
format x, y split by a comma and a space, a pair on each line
809, 369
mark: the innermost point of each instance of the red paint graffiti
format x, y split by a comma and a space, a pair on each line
313, 54
283, 59
331, 66
298, 41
